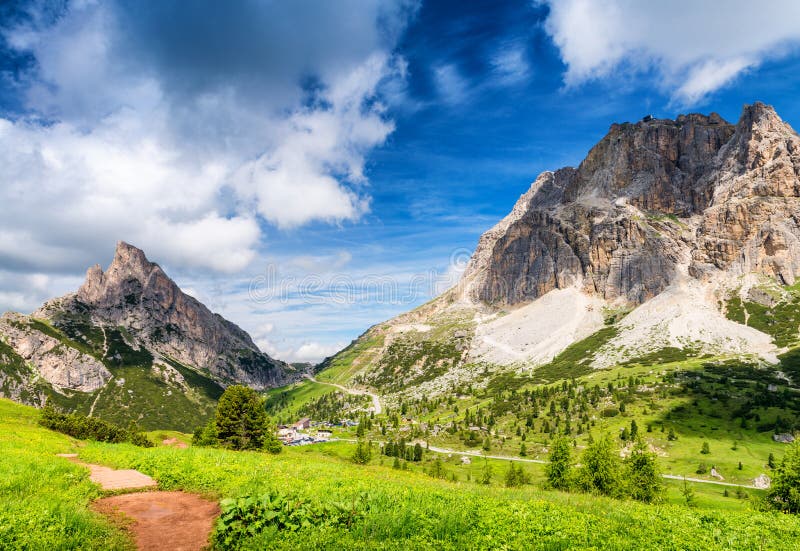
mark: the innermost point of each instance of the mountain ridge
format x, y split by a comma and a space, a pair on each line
639, 248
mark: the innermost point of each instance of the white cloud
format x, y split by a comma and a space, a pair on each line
510, 64
25, 293
64, 189
695, 47
130, 135
311, 352
709, 76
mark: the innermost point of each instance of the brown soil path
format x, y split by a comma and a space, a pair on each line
163, 520
157, 520
113, 479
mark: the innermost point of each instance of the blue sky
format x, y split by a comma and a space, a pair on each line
310, 168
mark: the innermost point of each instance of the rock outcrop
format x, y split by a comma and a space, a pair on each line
62, 366
651, 197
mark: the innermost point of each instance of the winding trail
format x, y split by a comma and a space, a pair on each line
376, 401
157, 520
113, 479
717, 482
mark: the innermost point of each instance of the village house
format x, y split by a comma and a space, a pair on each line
303, 423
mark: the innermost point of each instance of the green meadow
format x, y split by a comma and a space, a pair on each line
44, 501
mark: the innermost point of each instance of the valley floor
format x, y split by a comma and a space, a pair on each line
44, 502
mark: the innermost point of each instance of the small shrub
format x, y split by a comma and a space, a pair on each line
486, 473
515, 476
688, 495
362, 453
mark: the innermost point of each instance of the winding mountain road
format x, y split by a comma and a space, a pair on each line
376, 401
479, 455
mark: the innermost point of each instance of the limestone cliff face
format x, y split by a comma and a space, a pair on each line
649, 200
136, 294
62, 366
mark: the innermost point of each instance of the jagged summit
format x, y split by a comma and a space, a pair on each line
129, 266
136, 294
606, 228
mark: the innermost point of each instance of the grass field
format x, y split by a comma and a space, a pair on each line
44, 499
732, 405
44, 502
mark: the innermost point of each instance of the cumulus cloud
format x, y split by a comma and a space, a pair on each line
184, 128
310, 352
695, 47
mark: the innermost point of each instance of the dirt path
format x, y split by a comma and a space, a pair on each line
156, 520
163, 520
376, 401
717, 482
113, 479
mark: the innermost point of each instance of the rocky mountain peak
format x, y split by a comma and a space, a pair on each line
653, 199
127, 276
762, 136
137, 294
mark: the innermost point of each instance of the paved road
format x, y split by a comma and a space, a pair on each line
376, 401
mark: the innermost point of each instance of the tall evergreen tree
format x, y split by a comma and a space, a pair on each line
642, 474
242, 423
600, 471
559, 469
784, 493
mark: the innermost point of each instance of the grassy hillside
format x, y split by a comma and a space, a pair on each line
732, 405
396, 509
44, 499
156, 395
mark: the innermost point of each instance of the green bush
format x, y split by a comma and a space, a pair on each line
205, 435
515, 476
362, 453
90, 428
